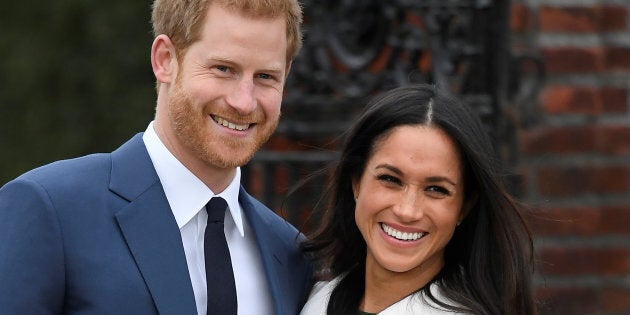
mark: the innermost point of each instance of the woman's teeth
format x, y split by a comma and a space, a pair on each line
403, 236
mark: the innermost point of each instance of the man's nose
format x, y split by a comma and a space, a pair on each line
242, 97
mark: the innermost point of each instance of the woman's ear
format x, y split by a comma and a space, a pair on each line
355, 188
163, 59
469, 203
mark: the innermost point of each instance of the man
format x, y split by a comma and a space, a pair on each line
123, 233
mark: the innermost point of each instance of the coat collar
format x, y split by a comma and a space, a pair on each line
286, 269
150, 230
274, 255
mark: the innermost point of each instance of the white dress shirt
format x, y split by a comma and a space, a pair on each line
187, 196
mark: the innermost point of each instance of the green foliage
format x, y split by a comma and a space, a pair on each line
75, 78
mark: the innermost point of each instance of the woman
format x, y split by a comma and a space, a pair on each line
419, 220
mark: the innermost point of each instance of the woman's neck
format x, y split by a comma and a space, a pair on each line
384, 288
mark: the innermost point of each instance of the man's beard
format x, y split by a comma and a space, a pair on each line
190, 127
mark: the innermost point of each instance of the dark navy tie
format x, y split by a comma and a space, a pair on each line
219, 274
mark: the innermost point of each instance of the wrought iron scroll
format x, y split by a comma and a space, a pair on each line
355, 48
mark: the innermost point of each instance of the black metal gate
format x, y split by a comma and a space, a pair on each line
355, 48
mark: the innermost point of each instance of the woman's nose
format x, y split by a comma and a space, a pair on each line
409, 206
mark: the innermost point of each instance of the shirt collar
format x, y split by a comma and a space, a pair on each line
187, 194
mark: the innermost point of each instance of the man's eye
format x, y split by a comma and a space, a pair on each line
222, 68
265, 76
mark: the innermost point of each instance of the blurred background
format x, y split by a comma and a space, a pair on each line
549, 78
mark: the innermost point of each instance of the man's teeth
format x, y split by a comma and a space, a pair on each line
230, 125
404, 236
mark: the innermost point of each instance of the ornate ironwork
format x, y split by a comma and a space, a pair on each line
353, 49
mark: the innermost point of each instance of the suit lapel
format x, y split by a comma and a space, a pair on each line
273, 255
149, 227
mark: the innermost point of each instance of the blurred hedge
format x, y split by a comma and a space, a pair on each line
75, 78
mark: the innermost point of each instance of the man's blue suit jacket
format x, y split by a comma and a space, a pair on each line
95, 235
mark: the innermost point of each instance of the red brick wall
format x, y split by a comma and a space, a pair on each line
576, 155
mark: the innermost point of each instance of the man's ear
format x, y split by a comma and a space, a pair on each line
163, 59
287, 69
469, 203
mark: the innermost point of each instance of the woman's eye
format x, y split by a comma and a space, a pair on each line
388, 179
439, 190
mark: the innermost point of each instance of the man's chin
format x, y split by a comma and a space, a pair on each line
230, 160
229, 153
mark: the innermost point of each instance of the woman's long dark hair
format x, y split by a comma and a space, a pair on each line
489, 260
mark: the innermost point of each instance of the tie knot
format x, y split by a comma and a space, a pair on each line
216, 209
